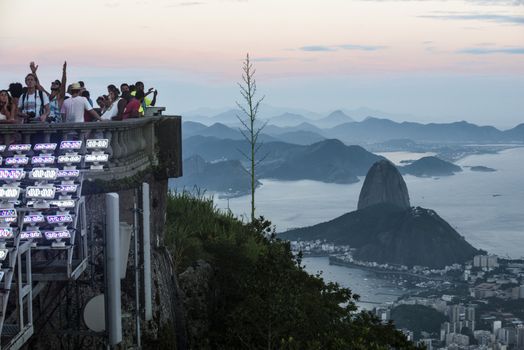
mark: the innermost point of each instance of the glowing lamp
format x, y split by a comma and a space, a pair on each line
12, 174
34, 219
20, 147
68, 173
43, 174
96, 157
66, 188
43, 159
9, 192
2, 148
8, 216
17, 160
69, 158
71, 145
6, 232
45, 147
3, 254
63, 203
8, 213
60, 218
97, 143
8, 220
40, 192
59, 234
30, 234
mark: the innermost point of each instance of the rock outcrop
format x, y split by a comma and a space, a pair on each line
385, 229
384, 184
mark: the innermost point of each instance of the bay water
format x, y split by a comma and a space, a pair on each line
487, 208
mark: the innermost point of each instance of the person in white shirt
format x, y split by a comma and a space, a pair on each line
74, 107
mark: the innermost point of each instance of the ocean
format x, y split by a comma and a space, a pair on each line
487, 208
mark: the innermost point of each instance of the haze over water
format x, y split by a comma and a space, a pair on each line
465, 200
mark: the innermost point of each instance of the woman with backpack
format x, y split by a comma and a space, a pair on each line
33, 105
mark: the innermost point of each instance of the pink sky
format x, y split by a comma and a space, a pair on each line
202, 43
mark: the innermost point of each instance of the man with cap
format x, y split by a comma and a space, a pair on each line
73, 108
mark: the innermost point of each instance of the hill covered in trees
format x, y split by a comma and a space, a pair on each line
242, 288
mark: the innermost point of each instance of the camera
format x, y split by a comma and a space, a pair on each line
31, 115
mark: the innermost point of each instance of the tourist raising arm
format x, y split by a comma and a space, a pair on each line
33, 105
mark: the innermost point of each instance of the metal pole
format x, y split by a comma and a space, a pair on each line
112, 266
146, 236
137, 286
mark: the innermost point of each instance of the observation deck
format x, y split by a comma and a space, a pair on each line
137, 150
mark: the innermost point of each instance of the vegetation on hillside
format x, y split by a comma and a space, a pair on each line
418, 318
259, 295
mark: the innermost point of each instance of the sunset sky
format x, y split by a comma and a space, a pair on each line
432, 61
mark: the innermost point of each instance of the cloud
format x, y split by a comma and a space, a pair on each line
190, 3
479, 17
361, 47
492, 50
315, 48
270, 59
325, 48
478, 2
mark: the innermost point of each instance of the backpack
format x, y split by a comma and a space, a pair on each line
41, 95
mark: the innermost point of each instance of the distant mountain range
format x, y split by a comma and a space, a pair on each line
369, 131
228, 177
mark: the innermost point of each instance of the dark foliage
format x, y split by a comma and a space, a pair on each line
260, 296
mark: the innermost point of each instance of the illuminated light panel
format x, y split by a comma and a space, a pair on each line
97, 143
40, 192
43, 173
2, 148
43, 159
34, 219
3, 253
67, 188
57, 234
6, 232
20, 147
1, 159
45, 147
9, 192
94, 158
63, 203
8, 213
58, 219
69, 158
30, 234
68, 173
12, 174
17, 160
7, 220
71, 145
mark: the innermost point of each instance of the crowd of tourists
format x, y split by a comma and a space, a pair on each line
32, 103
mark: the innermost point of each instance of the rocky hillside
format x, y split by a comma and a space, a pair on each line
386, 229
430, 166
383, 184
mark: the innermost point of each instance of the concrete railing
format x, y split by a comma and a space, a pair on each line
135, 145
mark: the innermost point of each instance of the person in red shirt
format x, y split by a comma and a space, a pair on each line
133, 105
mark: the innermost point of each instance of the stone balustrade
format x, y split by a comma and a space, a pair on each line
136, 146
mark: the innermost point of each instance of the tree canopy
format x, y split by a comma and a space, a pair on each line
259, 295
